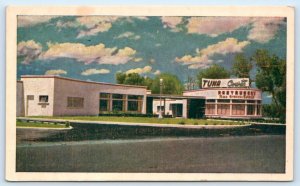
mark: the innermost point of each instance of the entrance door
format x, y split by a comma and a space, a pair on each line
177, 110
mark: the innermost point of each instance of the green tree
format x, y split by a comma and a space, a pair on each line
271, 78
171, 84
242, 66
134, 79
120, 77
213, 72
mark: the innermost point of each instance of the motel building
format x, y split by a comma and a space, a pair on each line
50, 95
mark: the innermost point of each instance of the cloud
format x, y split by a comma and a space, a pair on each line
171, 22
55, 72
146, 69
88, 54
129, 35
29, 49
157, 72
202, 59
31, 20
96, 24
137, 59
262, 29
93, 71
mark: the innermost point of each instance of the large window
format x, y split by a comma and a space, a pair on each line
250, 109
75, 102
238, 109
223, 109
104, 102
210, 109
135, 103
118, 102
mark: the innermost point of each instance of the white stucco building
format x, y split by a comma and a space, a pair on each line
49, 95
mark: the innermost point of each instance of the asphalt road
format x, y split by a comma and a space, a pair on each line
232, 154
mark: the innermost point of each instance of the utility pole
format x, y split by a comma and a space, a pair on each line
160, 94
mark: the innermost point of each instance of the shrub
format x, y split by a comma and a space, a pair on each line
196, 123
67, 123
181, 122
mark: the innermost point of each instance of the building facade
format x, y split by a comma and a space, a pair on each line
57, 96
48, 95
229, 98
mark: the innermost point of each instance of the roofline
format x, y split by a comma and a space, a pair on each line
175, 96
204, 89
82, 81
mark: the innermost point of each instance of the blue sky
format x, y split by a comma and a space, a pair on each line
96, 47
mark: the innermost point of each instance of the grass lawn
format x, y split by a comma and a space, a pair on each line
40, 125
153, 120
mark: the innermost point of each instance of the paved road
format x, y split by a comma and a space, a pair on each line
236, 154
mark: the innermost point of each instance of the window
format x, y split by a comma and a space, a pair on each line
238, 109
258, 109
210, 109
75, 102
117, 96
223, 100
104, 102
43, 99
104, 95
223, 109
210, 100
238, 101
250, 109
251, 101
134, 103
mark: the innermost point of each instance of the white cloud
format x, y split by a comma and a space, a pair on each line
137, 59
29, 49
55, 72
31, 20
171, 22
89, 54
146, 69
202, 59
129, 35
93, 71
262, 29
157, 72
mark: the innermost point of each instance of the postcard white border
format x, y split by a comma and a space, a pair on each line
11, 64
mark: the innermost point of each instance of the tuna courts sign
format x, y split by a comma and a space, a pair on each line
225, 83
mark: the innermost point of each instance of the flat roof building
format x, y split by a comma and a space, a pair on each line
229, 98
48, 95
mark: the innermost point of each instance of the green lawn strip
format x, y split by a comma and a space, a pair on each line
180, 121
40, 125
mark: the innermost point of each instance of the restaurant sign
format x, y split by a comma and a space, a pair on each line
225, 83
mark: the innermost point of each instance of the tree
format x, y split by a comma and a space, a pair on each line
271, 78
213, 72
171, 84
120, 77
242, 66
130, 79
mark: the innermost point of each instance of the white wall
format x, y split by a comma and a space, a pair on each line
90, 92
36, 87
168, 110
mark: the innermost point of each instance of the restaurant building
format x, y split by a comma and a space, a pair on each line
229, 98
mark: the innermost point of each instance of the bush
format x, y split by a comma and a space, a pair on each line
67, 123
196, 123
181, 122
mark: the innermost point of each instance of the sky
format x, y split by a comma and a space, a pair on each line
96, 47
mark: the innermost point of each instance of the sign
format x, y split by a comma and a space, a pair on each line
225, 83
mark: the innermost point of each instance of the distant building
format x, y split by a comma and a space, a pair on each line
48, 95
229, 98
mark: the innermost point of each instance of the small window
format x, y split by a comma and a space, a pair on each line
75, 102
238, 101
43, 99
134, 97
223, 100
210, 100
